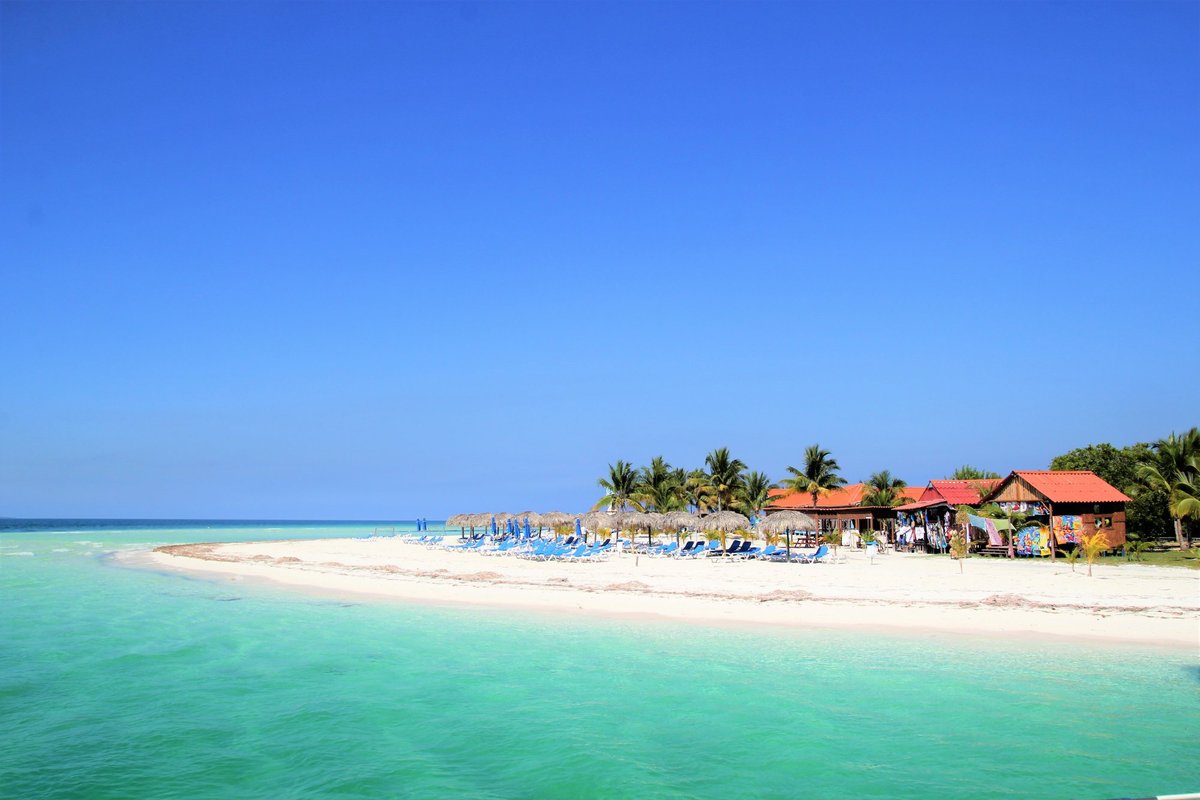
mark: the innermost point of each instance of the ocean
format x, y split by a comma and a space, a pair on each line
120, 682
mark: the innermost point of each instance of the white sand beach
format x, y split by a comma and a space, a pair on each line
1129, 603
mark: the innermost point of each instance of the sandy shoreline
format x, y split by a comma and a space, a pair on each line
1131, 603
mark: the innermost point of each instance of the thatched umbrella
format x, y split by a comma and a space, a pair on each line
613, 520
724, 521
676, 521
643, 519
552, 519
458, 521
786, 522
472, 521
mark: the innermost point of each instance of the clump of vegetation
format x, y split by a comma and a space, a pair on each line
1072, 556
1135, 546
1092, 545
960, 546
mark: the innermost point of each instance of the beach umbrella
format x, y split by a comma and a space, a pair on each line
724, 521
578, 527
553, 519
527, 527
676, 521
640, 519
613, 520
787, 521
654, 522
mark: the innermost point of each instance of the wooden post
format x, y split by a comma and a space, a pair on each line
1050, 536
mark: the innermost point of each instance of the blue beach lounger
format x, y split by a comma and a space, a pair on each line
822, 551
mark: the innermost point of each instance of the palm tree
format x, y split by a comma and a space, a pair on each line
1173, 469
968, 473
883, 489
755, 493
1185, 504
724, 474
698, 491
819, 475
659, 486
620, 488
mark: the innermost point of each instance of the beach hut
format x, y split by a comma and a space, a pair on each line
1070, 504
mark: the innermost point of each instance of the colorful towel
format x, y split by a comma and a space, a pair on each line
1067, 529
1032, 540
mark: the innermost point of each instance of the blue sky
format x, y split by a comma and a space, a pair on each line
382, 260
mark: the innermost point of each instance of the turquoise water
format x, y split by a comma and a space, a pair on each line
123, 683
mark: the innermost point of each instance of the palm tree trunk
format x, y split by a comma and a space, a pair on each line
1178, 532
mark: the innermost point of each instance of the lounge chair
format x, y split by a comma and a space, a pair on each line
822, 551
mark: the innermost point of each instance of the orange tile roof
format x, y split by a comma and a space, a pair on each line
1071, 486
842, 497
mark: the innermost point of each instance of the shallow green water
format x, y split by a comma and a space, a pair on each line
116, 682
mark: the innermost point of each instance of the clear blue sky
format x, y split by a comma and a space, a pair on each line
378, 260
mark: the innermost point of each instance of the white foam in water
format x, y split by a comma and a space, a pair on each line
61, 550
21, 553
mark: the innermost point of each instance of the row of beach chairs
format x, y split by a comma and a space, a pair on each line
574, 548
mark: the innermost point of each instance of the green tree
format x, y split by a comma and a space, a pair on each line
1118, 467
698, 491
883, 489
1173, 469
658, 486
620, 487
1147, 512
755, 493
819, 476
724, 475
968, 473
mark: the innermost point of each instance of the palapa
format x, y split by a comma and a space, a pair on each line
783, 521
678, 520
552, 519
724, 521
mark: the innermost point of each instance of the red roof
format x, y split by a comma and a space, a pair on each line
1071, 486
960, 492
843, 497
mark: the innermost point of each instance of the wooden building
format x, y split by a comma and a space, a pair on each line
841, 509
1070, 504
